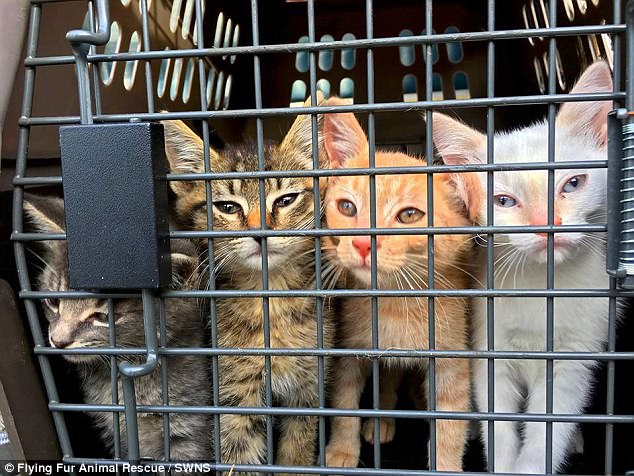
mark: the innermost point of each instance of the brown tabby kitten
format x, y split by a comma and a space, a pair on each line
293, 324
401, 202
83, 323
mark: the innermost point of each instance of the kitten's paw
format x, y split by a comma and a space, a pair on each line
387, 428
341, 456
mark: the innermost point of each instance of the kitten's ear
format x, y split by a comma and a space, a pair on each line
589, 118
299, 138
184, 151
456, 142
45, 214
184, 264
460, 144
343, 136
467, 189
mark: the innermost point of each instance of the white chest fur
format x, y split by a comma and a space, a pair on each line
580, 323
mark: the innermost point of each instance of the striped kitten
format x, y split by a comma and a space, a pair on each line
293, 321
83, 323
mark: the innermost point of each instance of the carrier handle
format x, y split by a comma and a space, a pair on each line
81, 41
80, 38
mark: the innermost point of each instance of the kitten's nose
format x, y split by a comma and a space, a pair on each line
363, 246
543, 221
59, 344
258, 239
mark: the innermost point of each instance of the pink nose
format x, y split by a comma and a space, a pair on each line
543, 221
59, 344
362, 245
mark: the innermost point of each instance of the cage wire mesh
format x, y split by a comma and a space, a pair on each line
245, 69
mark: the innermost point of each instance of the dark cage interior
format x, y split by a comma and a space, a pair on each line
486, 67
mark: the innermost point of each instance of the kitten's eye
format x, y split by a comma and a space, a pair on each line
410, 215
99, 317
347, 208
574, 184
504, 201
52, 303
229, 208
285, 200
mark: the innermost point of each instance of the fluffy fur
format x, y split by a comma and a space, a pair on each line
75, 323
520, 263
238, 265
401, 264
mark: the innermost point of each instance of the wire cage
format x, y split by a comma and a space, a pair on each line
241, 72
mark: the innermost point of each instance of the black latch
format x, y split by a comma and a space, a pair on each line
115, 198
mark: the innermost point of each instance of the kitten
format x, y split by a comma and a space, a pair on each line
520, 198
293, 323
83, 323
401, 202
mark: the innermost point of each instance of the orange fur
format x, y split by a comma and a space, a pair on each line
401, 263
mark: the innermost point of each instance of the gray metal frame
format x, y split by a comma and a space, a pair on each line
617, 29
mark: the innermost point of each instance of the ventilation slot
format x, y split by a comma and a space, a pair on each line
346, 90
211, 81
220, 85
107, 69
219, 30
176, 78
570, 9
323, 85
536, 18
326, 57
434, 50
175, 14
161, 84
129, 74
228, 29
301, 58
298, 93
203, 5
410, 88
539, 75
188, 81
187, 19
406, 53
234, 42
527, 24
454, 49
460, 82
436, 87
225, 101
348, 56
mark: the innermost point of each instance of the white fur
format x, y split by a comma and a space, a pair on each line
580, 324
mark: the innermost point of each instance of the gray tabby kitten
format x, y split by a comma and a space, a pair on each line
82, 323
289, 205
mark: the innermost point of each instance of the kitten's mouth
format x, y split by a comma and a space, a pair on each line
563, 247
258, 253
559, 243
254, 259
81, 358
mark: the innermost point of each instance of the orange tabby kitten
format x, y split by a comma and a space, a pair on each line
401, 202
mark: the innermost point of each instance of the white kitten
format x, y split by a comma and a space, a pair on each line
580, 324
